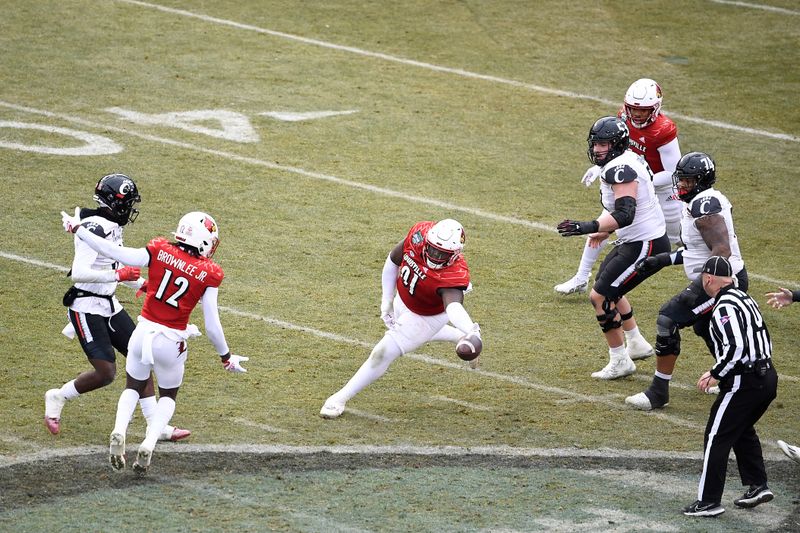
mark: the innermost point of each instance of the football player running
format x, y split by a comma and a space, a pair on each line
630, 209
423, 283
181, 274
655, 137
706, 230
95, 315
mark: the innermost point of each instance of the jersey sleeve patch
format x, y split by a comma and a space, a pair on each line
707, 205
619, 174
95, 228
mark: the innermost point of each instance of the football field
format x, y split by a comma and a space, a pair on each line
317, 134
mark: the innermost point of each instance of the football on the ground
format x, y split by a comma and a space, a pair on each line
469, 347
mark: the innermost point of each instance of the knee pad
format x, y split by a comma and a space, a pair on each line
627, 316
610, 318
668, 338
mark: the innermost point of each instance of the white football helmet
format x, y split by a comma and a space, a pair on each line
643, 94
443, 243
198, 230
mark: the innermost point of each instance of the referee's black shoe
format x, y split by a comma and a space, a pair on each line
756, 495
700, 508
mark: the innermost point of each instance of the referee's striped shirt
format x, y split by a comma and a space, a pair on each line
739, 333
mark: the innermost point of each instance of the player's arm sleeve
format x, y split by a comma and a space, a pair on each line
670, 155
389, 273
82, 271
213, 325
127, 256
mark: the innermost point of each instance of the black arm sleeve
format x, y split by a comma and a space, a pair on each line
796, 295
624, 210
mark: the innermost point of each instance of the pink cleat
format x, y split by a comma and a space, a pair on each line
53, 403
179, 434
53, 425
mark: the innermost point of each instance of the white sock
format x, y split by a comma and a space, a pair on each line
588, 259
661, 375
449, 334
125, 407
616, 353
164, 411
632, 334
148, 406
374, 367
68, 390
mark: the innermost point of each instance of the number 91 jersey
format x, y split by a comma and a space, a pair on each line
417, 285
176, 282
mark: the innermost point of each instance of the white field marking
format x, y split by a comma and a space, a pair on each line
35, 262
448, 70
93, 144
22, 443
291, 116
284, 168
233, 126
368, 416
313, 522
257, 425
468, 405
758, 6
600, 397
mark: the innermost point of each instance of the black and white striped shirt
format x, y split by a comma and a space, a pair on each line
739, 333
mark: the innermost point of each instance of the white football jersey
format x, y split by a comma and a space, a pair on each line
94, 272
648, 222
708, 202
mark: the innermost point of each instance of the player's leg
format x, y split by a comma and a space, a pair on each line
580, 281
93, 335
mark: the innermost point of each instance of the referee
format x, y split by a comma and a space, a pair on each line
748, 383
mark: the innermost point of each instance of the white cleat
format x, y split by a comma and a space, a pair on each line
332, 409
616, 369
116, 451
642, 402
142, 462
792, 452
638, 348
53, 404
573, 284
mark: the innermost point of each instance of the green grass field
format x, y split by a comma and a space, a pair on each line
317, 134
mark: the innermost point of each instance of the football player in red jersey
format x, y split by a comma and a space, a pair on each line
423, 283
96, 317
654, 136
181, 274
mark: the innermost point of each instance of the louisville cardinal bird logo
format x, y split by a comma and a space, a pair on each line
209, 224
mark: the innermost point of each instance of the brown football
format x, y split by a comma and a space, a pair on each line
469, 347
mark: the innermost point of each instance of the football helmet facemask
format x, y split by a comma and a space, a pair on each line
443, 244
611, 130
199, 231
118, 193
699, 167
643, 94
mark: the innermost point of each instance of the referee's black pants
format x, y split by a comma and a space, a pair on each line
741, 402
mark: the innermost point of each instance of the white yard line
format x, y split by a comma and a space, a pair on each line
774, 9
462, 403
258, 425
448, 70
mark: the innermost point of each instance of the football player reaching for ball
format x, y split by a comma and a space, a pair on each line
423, 283
181, 274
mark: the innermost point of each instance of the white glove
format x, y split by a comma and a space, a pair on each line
476, 329
387, 314
592, 174
233, 363
71, 223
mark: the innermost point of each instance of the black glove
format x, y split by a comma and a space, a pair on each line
652, 264
570, 228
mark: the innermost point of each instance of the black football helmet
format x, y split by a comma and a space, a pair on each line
608, 129
117, 193
697, 166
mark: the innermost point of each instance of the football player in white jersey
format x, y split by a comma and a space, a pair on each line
706, 229
631, 210
654, 136
96, 316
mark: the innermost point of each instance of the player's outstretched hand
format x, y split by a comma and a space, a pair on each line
71, 223
233, 363
592, 174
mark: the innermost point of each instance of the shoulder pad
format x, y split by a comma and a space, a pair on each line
95, 228
705, 205
619, 174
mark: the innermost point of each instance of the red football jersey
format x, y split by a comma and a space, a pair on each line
647, 141
417, 284
176, 282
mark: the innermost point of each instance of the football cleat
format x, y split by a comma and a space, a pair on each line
699, 508
574, 284
116, 451
53, 403
142, 462
174, 434
643, 403
475, 363
755, 495
332, 409
792, 452
638, 348
616, 369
